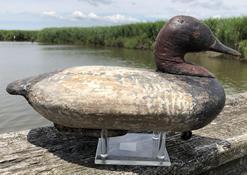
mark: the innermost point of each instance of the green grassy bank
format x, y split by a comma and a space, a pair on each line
231, 31
18, 35
134, 36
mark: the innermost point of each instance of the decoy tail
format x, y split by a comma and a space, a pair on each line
19, 87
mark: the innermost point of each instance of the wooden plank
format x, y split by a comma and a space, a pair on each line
214, 148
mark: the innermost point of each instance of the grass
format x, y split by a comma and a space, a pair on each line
231, 31
18, 35
135, 36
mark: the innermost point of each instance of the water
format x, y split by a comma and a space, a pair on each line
20, 60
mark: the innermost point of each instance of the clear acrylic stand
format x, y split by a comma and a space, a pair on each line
133, 149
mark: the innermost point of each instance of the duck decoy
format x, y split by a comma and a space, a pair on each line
179, 96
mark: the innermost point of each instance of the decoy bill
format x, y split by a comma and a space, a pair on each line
178, 96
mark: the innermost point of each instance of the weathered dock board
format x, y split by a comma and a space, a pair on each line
219, 148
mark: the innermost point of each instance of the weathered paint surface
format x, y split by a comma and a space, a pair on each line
220, 148
183, 34
126, 98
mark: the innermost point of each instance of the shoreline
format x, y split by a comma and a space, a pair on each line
210, 54
132, 36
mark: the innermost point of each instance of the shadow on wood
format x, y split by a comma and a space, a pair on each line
81, 150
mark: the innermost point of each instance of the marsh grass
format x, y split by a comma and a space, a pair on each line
18, 35
231, 31
140, 35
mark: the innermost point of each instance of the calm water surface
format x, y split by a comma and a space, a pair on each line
20, 60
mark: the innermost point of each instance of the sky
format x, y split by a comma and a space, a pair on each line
34, 14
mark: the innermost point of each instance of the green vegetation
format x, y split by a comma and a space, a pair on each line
243, 47
18, 35
231, 31
138, 36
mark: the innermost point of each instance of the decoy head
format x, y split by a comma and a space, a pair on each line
183, 34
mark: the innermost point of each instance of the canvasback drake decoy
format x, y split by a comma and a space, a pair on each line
179, 96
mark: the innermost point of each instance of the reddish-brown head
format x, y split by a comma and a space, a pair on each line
183, 34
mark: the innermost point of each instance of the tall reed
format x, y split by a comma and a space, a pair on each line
231, 31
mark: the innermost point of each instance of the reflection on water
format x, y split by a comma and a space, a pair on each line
19, 60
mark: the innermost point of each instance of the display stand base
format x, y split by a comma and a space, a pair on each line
133, 149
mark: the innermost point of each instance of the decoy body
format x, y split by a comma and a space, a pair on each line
179, 96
